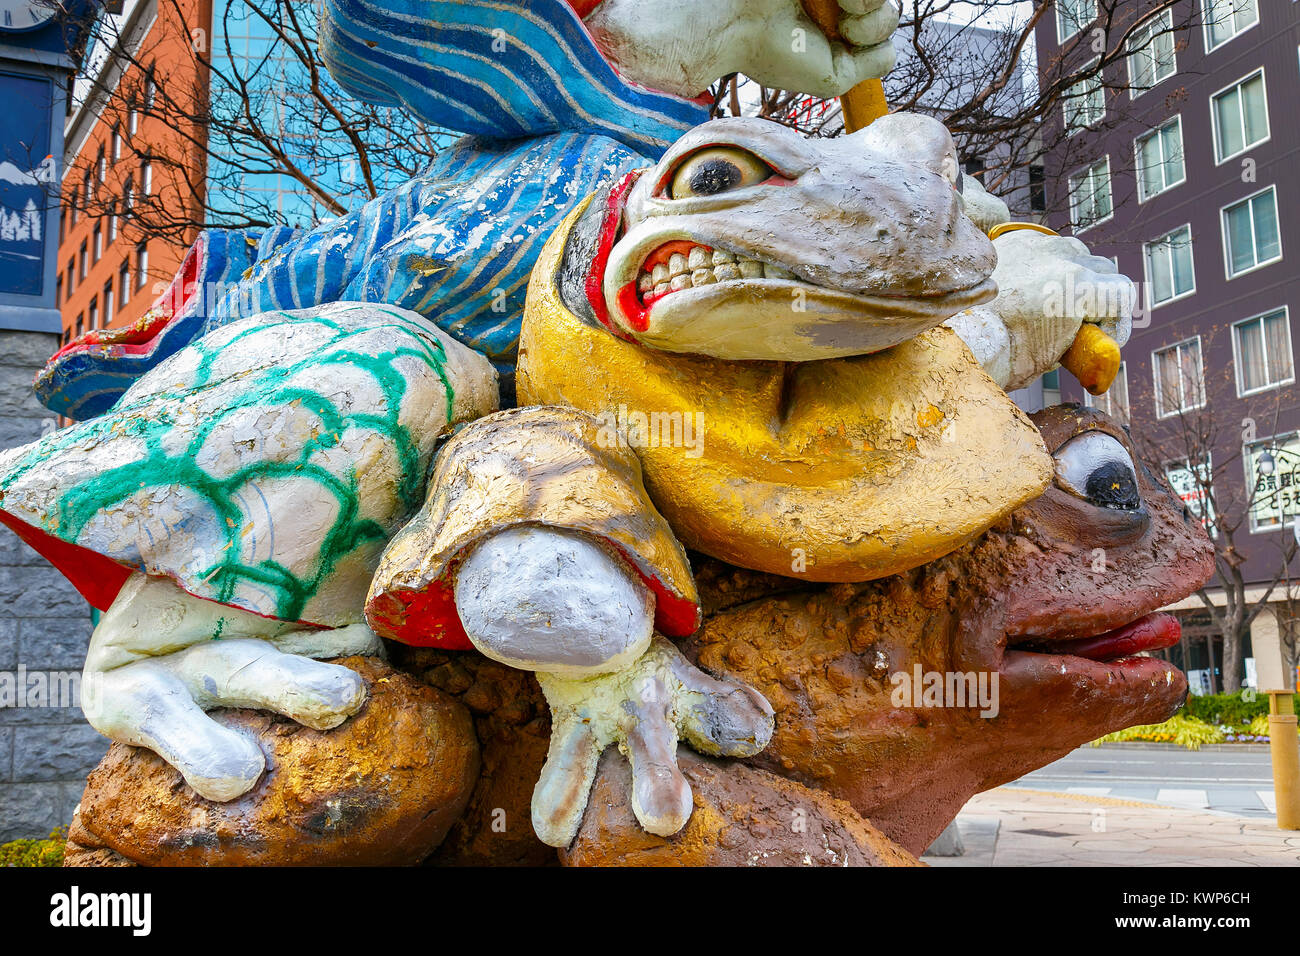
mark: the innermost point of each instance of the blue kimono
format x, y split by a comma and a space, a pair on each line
550, 121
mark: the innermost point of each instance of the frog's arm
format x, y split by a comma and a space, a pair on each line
1049, 286
539, 546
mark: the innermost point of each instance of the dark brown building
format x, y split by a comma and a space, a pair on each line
1182, 167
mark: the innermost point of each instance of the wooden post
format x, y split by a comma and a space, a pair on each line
1284, 748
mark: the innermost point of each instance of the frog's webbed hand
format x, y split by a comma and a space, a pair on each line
562, 604
645, 708
1048, 287
154, 669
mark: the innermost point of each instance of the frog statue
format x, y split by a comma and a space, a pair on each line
789, 357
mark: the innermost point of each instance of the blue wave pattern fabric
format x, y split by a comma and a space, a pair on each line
553, 123
456, 244
87, 381
505, 69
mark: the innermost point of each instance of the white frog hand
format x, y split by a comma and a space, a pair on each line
645, 709
1048, 287
153, 670
565, 606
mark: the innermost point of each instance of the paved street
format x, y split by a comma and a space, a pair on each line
1022, 827
1231, 778
1131, 805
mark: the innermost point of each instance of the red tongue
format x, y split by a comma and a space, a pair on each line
1145, 634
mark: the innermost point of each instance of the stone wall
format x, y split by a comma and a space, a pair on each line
45, 750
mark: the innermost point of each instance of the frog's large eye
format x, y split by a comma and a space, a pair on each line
1097, 468
717, 170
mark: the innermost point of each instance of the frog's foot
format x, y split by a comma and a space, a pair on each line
154, 668
160, 704
645, 708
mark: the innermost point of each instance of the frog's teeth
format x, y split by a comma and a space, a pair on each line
701, 267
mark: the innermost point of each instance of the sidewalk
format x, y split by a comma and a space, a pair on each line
1020, 827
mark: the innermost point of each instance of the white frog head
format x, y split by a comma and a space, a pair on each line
749, 241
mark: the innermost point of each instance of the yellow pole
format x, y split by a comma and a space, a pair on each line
864, 103
1284, 747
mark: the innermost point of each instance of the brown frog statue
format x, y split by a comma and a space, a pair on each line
1052, 610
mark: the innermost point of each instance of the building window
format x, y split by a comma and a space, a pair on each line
1273, 482
141, 265
1084, 102
1051, 388
124, 281
1114, 401
1090, 198
99, 242
1037, 189
150, 90
1240, 115
1224, 19
1072, 16
1151, 58
128, 194
1250, 233
87, 189
82, 258
92, 314
101, 166
58, 290
1160, 159
108, 303
69, 285
146, 178
1180, 378
117, 142
112, 226
132, 121
1262, 349
1169, 269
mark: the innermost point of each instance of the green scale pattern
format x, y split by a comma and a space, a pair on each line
148, 413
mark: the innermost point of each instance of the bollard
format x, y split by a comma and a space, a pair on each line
1284, 747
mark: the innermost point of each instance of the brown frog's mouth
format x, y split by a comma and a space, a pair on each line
1119, 650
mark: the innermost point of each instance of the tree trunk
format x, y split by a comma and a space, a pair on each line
1232, 645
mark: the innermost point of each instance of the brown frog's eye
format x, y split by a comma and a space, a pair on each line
717, 170
1096, 467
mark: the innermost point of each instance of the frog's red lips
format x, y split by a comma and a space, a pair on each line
1148, 633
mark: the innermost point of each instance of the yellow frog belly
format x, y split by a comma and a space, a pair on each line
838, 470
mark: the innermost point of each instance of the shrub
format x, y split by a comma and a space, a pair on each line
1184, 731
1228, 708
48, 852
